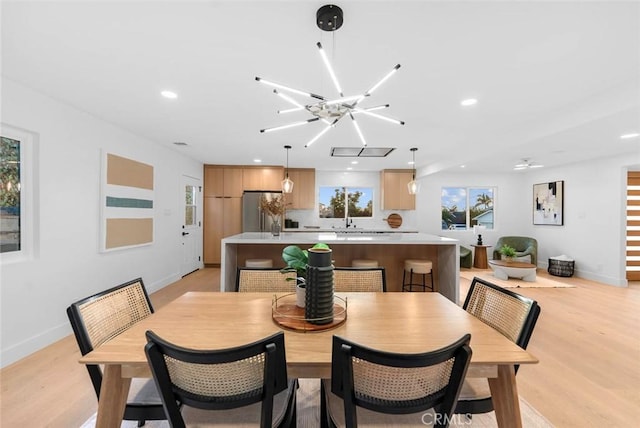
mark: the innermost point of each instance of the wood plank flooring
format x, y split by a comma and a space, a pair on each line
587, 340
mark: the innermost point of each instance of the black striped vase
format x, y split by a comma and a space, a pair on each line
318, 307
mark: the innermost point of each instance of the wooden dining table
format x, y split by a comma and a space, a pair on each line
395, 322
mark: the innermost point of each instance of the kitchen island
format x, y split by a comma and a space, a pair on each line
389, 249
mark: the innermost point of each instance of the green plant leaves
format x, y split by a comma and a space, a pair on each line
297, 259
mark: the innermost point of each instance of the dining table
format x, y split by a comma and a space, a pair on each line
394, 322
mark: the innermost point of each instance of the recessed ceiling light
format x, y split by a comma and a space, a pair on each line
257, 160
354, 162
469, 102
463, 166
169, 94
349, 169
628, 136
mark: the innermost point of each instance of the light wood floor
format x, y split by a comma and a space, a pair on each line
587, 340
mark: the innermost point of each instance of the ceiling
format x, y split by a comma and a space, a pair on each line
556, 82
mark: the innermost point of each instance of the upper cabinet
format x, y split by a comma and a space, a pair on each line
263, 178
393, 190
222, 181
303, 196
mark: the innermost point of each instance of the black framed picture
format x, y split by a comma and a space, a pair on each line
548, 203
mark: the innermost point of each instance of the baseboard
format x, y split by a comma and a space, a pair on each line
39, 341
592, 276
33, 344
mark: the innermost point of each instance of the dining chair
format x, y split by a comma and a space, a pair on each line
242, 386
347, 279
102, 316
265, 280
511, 314
370, 387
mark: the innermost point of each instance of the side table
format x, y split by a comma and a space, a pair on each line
480, 256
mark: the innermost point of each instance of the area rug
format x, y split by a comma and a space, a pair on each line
308, 411
487, 275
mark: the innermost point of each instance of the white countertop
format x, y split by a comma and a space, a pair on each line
338, 238
349, 230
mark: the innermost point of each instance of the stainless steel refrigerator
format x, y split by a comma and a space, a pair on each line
253, 218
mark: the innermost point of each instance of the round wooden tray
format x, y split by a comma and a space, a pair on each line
394, 220
287, 315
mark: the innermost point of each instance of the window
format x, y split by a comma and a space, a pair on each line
16, 208
10, 239
190, 205
465, 207
332, 202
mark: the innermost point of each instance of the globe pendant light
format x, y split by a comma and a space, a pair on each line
413, 186
287, 183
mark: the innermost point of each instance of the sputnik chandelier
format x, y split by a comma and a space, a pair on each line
329, 110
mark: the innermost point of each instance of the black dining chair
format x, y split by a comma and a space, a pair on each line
242, 386
369, 387
102, 316
511, 314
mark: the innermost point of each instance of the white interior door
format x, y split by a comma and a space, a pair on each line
191, 225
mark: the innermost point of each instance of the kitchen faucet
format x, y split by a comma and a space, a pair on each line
348, 223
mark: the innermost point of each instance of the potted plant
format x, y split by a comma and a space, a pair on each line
507, 252
297, 260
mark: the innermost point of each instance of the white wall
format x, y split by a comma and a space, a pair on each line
68, 265
594, 227
594, 231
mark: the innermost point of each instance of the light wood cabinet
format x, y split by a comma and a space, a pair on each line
222, 208
267, 178
221, 181
303, 196
222, 218
213, 229
393, 190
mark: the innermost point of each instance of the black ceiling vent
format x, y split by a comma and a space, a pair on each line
361, 152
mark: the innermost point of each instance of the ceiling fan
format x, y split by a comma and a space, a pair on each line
526, 164
325, 109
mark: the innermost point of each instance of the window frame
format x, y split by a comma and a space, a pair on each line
346, 194
468, 189
27, 194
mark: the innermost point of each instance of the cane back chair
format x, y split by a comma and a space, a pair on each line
242, 386
511, 314
103, 316
390, 389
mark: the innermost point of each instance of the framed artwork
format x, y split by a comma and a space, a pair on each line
126, 203
548, 203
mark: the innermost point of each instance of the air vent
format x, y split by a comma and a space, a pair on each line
180, 143
361, 152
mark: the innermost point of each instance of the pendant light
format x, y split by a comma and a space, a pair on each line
287, 184
413, 186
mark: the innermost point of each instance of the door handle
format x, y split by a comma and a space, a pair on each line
185, 233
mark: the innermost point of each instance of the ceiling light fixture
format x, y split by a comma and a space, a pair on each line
169, 94
526, 164
469, 102
287, 184
629, 136
330, 110
413, 186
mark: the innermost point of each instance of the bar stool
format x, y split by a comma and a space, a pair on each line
419, 267
259, 263
364, 263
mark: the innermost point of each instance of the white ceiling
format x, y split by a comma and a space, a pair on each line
557, 82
